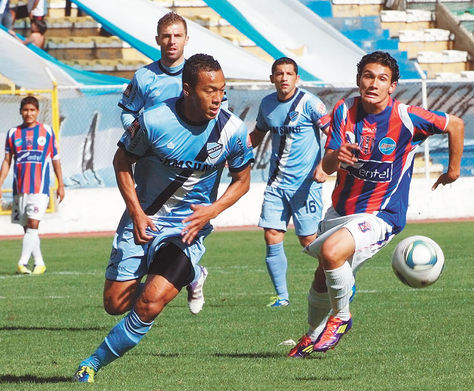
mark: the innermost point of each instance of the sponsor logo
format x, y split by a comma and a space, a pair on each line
41, 141
18, 142
133, 128
387, 145
285, 129
364, 226
214, 149
127, 90
293, 115
372, 171
188, 164
170, 145
31, 156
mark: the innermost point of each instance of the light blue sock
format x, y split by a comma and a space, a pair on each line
277, 265
124, 336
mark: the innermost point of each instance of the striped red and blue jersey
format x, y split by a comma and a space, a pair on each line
32, 149
379, 182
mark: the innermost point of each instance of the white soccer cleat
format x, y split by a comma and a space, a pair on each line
195, 293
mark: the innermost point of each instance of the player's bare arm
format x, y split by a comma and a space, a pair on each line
7, 161
59, 175
346, 154
455, 130
123, 172
239, 185
256, 137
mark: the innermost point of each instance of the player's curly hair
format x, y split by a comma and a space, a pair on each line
284, 60
169, 19
29, 100
382, 58
197, 63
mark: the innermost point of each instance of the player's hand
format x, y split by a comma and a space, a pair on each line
348, 153
140, 225
60, 193
445, 179
319, 175
201, 216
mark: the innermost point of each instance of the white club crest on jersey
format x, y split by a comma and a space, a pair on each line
293, 115
170, 145
214, 149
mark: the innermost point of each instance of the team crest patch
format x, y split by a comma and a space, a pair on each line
293, 115
41, 141
127, 90
387, 145
29, 141
214, 149
367, 139
364, 226
133, 128
321, 108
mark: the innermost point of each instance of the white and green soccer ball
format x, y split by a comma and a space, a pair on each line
418, 261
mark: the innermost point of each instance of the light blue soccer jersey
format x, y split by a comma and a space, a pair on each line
180, 164
150, 85
295, 130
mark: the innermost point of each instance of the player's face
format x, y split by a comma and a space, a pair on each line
171, 40
206, 97
285, 79
29, 113
375, 86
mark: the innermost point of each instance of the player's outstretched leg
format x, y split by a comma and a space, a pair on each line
195, 292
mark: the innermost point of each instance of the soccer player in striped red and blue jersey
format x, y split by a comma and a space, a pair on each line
32, 145
295, 119
371, 145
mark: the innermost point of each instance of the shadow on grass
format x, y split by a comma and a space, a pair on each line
322, 378
248, 355
39, 328
33, 379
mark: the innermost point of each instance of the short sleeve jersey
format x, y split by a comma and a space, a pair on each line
379, 182
150, 85
295, 126
32, 149
181, 164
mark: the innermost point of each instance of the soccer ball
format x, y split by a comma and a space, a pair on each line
417, 261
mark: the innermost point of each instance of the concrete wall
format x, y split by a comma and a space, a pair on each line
98, 210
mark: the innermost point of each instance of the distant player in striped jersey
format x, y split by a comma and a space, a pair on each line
295, 119
371, 145
179, 149
32, 145
153, 84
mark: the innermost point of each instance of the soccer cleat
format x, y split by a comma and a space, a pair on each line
22, 269
303, 349
278, 302
332, 333
195, 293
84, 374
39, 269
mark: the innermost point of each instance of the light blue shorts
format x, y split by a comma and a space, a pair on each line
304, 205
130, 261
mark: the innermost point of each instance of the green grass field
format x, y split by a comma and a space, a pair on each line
402, 338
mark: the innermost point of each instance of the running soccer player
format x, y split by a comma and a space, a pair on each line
32, 145
153, 84
371, 144
295, 118
179, 149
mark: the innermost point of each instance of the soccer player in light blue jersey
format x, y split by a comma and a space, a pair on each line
153, 84
179, 149
295, 119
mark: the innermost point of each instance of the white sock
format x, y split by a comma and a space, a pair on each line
28, 244
319, 308
339, 282
37, 256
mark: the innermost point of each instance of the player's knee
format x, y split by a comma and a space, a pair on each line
147, 309
329, 255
